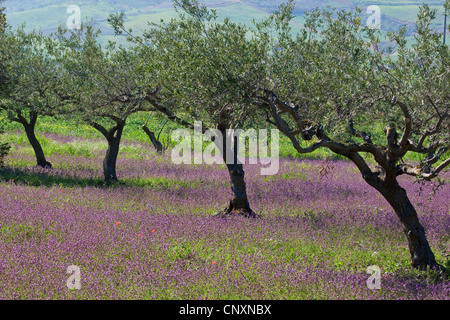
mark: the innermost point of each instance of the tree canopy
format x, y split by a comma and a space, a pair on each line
327, 86
103, 85
331, 80
2, 18
29, 86
205, 70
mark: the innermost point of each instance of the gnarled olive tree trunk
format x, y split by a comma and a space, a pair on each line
113, 137
109, 162
239, 200
158, 146
38, 151
419, 248
34, 142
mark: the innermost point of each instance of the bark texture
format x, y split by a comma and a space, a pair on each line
389, 156
110, 160
239, 203
419, 248
158, 146
35, 144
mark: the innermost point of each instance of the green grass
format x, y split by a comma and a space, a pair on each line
22, 176
45, 179
95, 145
23, 233
91, 144
358, 248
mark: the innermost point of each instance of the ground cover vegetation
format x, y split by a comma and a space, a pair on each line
362, 178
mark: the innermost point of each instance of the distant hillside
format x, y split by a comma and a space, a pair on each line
49, 14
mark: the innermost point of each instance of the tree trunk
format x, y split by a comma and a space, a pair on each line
419, 248
39, 153
158, 146
110, 160
239, 201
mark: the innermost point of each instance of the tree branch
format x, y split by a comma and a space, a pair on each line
359, 134
418, 171
438, 169
432, 158
112, 117
170, 115
20, 118
33, 118
99, 127
428, 133
404, 140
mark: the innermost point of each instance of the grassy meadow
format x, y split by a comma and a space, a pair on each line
154, 235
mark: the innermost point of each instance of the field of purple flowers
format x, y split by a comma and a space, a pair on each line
154, 236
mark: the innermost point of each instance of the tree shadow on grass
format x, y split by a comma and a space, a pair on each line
38, 177
46, 177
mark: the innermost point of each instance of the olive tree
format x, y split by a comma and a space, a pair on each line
103, 84
29, 83
325, 86
333, 87
4, 147
203, 67
2, 18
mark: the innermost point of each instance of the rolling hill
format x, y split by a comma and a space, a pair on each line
47, 15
